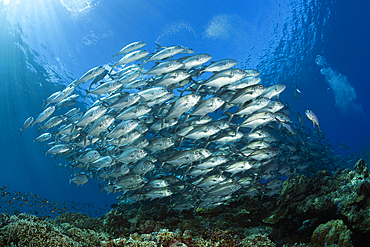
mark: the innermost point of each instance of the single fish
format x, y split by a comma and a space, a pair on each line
89, 75
43, 137
44, 115
130, 47
165, 67
166, 53
220, 65
130, 57
296, 92
312, 117
27, 123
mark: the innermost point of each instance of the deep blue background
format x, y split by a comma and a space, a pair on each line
45, 44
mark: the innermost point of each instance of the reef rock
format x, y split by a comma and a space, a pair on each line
331, 233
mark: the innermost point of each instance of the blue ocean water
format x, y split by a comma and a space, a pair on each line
45, 44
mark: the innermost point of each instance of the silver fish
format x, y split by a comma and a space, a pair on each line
79, 179
203, 131
212, 162
274, 91
89, 156
123, 128
182, 105
102, 162
247, 94
27, 123
131, 47
207, 106
43, 137
195, 60
172, 78
160, 143
91, 115
100, 125
89, 75
313, 118
131, 155
131, 57
188, 156
125, 101
166, 53
225, 77
143, 167
44, 115
158, 193
243, 83
106, 87
220, 65
240, 166
257, 120
52, 122
134, 112
210, 180
58, 149
165, 67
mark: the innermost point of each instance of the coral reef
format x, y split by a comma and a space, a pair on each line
79, 220
29, 230
123, 242
308, 202
327, 209
257, 240
330, 233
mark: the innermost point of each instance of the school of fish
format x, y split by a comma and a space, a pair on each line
178, 127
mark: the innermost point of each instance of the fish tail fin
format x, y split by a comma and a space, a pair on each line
84, 135
231, 115
21, 131
159, 47
87, 93
181, 139
101, 188
73, 125
187, 115
206, 144
162, 122
236, 127
198, 85
198, 73
161, 164
103, 137
113, 66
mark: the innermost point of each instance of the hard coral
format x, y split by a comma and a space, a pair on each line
257, 240
115, 222
29, 230
79, 220
332, 232
165, 237
222, 237
124, 242
346, 195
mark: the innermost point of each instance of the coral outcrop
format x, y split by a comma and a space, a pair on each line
331, 233
29, 230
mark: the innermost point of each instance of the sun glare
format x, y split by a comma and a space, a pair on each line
77, 6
